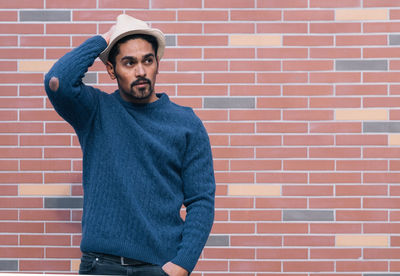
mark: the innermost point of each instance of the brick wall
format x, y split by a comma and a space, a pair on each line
301, 101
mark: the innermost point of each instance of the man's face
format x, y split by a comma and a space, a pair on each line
136, 68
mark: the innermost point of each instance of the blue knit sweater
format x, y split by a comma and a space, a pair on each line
141, 162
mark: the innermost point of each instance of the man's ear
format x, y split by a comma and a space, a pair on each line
110, 70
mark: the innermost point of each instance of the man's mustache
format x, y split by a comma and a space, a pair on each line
140, 80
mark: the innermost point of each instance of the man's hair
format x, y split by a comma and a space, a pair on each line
115, 49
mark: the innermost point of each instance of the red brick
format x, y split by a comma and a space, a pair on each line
273, 102
227, 28
213, 115
282, 4
62, 178
75, 28
394, 65
20, 202
335, 53
66, 152
20, 178
8, 78
201, 40
202, 65
255, 15
358, 90
44, 265
308, 266
8, 165
282, 53
45, 240
335, 228
342, 127
8, 240
343, 266
308, 241
308, 165
381, 53
181, 28
275, 127
362, 139
95, 15
394, 14
233, 202
308, 140
381, 77
21, 28
45, 41
361, 165
21, 227
233, 228
334, 203
334, 28
9, 90
254, 115
31, 90
381, 27
229, 78
281, 203
233, 153
231, 53
354, 215
394, 165
151, 15
309, 41
251, 65
234, 177
282, 28
22, 252
335, 253
258, 140
255, 165
229, 127
282, 228
334, 77
382, 253
58, 4
394, 241
383, 202
255, 266
45, 165
60, 127
8, 140
381, 177
9, 190
361, 40
361, 190
394, 190
382, 228
45, 215
281, 152
282, 77
335, 102
386, 153
8, 66
255, 240
229, 253
307, 115
209, 265
179, 77
210, 4
9, 115
202, 90
255, 215
310, 190
160, 4
201, 15
335, 152
45, 140
282, 253
381, 102
295, 178
307, 90
335, 4
8, 215
63, 227
63, 252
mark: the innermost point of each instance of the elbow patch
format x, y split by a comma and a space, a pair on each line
54, 84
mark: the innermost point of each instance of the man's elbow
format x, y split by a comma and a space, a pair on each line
54, 84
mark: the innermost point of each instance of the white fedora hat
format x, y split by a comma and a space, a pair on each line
127, 25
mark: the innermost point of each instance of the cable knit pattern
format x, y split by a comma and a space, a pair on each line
141, 162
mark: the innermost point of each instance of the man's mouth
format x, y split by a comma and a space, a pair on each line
140, 83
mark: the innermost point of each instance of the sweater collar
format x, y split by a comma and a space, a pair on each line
162, 100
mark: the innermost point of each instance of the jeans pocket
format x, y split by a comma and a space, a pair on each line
87, 264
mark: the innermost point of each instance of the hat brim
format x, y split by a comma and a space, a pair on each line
153, 32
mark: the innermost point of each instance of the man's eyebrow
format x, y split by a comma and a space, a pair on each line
128, 58
148, 55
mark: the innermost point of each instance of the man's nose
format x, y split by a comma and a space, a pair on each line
139, 71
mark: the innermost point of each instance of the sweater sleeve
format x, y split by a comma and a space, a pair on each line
199, 194
73, 100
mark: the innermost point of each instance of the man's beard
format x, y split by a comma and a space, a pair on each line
138, 93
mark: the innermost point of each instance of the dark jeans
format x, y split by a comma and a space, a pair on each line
100, 264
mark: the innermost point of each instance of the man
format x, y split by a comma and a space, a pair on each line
143, 157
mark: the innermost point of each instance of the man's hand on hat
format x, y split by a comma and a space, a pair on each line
108, 34
174, 270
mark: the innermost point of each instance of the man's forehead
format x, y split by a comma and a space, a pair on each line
136, 48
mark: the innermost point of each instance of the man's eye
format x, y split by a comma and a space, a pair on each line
149, 61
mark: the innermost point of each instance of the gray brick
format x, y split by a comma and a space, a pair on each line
63, 202
8, 265
170, 40
307, 215
361, 65
227, 102
218, 241
394, 39
45, 15
381, 127
90, 78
